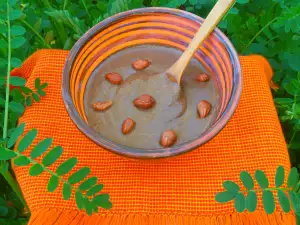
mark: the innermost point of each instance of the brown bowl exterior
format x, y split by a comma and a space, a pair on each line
158, 26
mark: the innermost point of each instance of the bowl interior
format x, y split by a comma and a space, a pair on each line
150, 26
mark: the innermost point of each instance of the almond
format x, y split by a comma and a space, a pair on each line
204, 108
128, 125
114, 78
102, 106
202, 77
144, 102
168, 138
140, 64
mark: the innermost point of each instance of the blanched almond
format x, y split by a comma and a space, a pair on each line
204, 108
102, 106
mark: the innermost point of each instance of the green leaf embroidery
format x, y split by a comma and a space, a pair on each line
44, 85
15, 135
37, 83
88, 206
67, 191
11, 214
53, 183
21, 161
279, 177
284, 201
27, 140
79, 200
251, 201
16, 107
3, 28
79, 175
66, 166
293, 177
222, 197
94, 190
52, 155
268, 201
239, 202
88, 183
17, 81
16, 30
36, 170
6, 154
247, 180
231, 187
261, 179
17, 42
40, 148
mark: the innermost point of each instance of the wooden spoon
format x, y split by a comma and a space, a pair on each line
211, 21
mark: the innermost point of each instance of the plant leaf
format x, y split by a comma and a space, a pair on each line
66, 166
247, 180
15, 62
231, 186
16, 107
36, 170
16, 30
40, 148
28, 101
67, 191
295, 199
37, 83
21, 161
261, 179
251, 201
15, 14
101, 199
53, 183
279, 177
94, 190
293, 177
79, 175
52, 155
268, 201
27, 140
88, 206
3, 211
284, 201
6, 154
36, 97
79, 200
88, 183
44, 85
222, 197
5, 166
26, 90
11, 214
3, 28
18, 131
239, 202
17, 42
41, 92
17, 81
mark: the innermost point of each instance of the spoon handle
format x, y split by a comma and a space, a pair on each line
211, 21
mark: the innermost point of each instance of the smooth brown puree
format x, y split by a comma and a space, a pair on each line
150, 124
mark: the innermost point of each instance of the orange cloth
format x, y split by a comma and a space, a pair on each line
170, 191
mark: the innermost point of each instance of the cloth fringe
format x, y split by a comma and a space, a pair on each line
68, 217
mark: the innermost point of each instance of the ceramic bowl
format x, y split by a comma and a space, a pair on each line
158, 26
